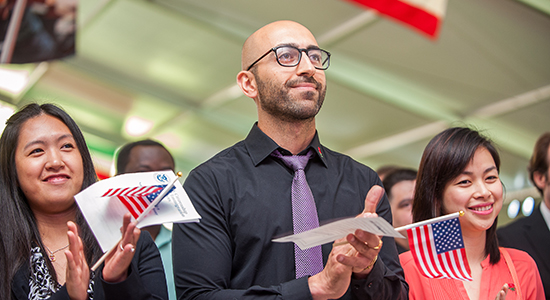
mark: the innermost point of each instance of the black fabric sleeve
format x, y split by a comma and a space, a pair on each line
146, 278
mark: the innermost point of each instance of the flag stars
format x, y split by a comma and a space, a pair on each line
447, 236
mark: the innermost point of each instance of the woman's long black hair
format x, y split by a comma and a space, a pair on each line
18, 224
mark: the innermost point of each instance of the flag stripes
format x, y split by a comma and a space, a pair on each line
438, 250
135, 199
130, 191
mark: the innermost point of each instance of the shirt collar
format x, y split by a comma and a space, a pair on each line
260, 146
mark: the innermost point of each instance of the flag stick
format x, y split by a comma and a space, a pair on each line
165, 191
429, 221
421, 223
158, 199
102, 259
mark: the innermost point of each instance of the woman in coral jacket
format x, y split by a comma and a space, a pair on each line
459, 171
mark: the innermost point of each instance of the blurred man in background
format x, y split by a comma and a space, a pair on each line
532, 234
399, 185
148, 156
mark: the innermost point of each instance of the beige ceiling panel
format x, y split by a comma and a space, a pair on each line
157, 46
64, 80
318, 15
471, 62
350, 118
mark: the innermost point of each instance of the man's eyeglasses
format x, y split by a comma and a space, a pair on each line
290, 56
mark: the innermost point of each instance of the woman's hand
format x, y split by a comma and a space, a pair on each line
501, 295
78, 273
117, 263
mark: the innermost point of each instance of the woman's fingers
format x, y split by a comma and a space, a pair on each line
116, 264
78, 274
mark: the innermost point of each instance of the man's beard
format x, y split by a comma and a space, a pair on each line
278, 102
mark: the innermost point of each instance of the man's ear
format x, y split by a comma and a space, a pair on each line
540, 179
247, 83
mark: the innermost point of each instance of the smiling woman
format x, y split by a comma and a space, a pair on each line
48, 245
49, 165
459, 171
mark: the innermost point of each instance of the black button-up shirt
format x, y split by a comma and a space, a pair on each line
243, 195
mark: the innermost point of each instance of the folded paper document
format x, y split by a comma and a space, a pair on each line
104, 203
338, 229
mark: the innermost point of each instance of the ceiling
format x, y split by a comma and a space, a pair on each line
390, 88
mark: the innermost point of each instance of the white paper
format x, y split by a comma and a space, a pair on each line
339, 229
104, 214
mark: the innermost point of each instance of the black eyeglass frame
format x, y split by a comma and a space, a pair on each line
300, 50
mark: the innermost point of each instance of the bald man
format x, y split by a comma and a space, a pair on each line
244, 193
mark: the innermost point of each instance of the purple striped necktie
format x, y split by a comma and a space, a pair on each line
304, 214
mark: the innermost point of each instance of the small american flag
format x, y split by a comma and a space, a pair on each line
438, 250
136, 199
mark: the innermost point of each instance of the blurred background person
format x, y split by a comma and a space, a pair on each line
532, 234
459, 171
146, 156
383, 171
47, 243
399, 185
47, 30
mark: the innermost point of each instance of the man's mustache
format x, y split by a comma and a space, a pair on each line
304, 79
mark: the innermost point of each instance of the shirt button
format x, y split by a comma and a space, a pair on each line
370, 284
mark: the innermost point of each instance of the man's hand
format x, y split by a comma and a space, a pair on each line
333, 281
358, 256
366, 246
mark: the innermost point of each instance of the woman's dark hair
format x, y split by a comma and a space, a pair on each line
18, 224
444, 159
4, 288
